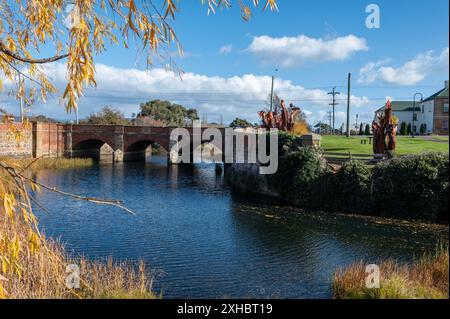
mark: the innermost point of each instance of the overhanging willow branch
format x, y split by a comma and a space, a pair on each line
18, 177
15, 56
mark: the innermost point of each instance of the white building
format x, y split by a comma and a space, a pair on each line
432, 113
404, 112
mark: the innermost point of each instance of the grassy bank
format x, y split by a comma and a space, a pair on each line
427, 278
49, 163
405, 145
33, 266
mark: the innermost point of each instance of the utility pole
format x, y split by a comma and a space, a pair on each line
333, 104
348, 104
330, 116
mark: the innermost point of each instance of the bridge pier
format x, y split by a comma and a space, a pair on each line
118, 144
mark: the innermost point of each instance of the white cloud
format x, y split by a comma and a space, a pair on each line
226, 49
410, 73
294, 51
237, 96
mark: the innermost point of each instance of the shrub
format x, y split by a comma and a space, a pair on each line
351, 189
286, 143
298, 171
413, 186
403, 128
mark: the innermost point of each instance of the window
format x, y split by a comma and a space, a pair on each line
446, 108
423, 109
415, 117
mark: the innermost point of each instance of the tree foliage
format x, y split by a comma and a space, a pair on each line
169, 113
240, 123
107, 116
367, 130
403, 129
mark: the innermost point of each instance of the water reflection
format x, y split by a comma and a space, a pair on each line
206, 242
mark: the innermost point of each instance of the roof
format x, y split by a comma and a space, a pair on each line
441, 94
401, 106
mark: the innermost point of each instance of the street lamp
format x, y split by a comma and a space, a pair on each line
414, 112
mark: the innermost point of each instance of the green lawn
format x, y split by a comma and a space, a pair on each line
405, 145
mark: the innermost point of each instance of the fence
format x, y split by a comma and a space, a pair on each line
341, 158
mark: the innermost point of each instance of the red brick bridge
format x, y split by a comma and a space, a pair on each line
107, 143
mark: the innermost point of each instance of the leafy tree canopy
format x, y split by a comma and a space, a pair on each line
168, 113
240, 123
107, 116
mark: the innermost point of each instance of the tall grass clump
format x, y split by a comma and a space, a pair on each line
50, 163
426, 278
33, 266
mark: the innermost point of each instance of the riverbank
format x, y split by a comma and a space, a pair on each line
426, 278
33, 164
34, 266
413, 187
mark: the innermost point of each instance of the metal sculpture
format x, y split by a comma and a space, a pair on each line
384, 130
283, 120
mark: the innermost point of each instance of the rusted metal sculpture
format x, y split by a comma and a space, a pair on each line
283, 120
385, 131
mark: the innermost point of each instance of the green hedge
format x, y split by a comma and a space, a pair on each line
412, 187
352, 184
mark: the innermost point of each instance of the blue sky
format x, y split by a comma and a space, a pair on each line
313, 44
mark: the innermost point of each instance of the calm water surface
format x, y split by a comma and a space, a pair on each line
201, 241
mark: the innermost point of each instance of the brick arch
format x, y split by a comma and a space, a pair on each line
78, 140
132, 141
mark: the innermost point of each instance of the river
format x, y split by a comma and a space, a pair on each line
202, 241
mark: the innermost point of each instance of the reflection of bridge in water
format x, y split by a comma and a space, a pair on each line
111, 143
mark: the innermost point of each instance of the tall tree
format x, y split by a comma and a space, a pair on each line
168, 113
367, 130
403, 129
107, 116
240, 123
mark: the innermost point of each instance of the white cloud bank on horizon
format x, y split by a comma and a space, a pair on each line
237, 96
410, 73
291, 52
